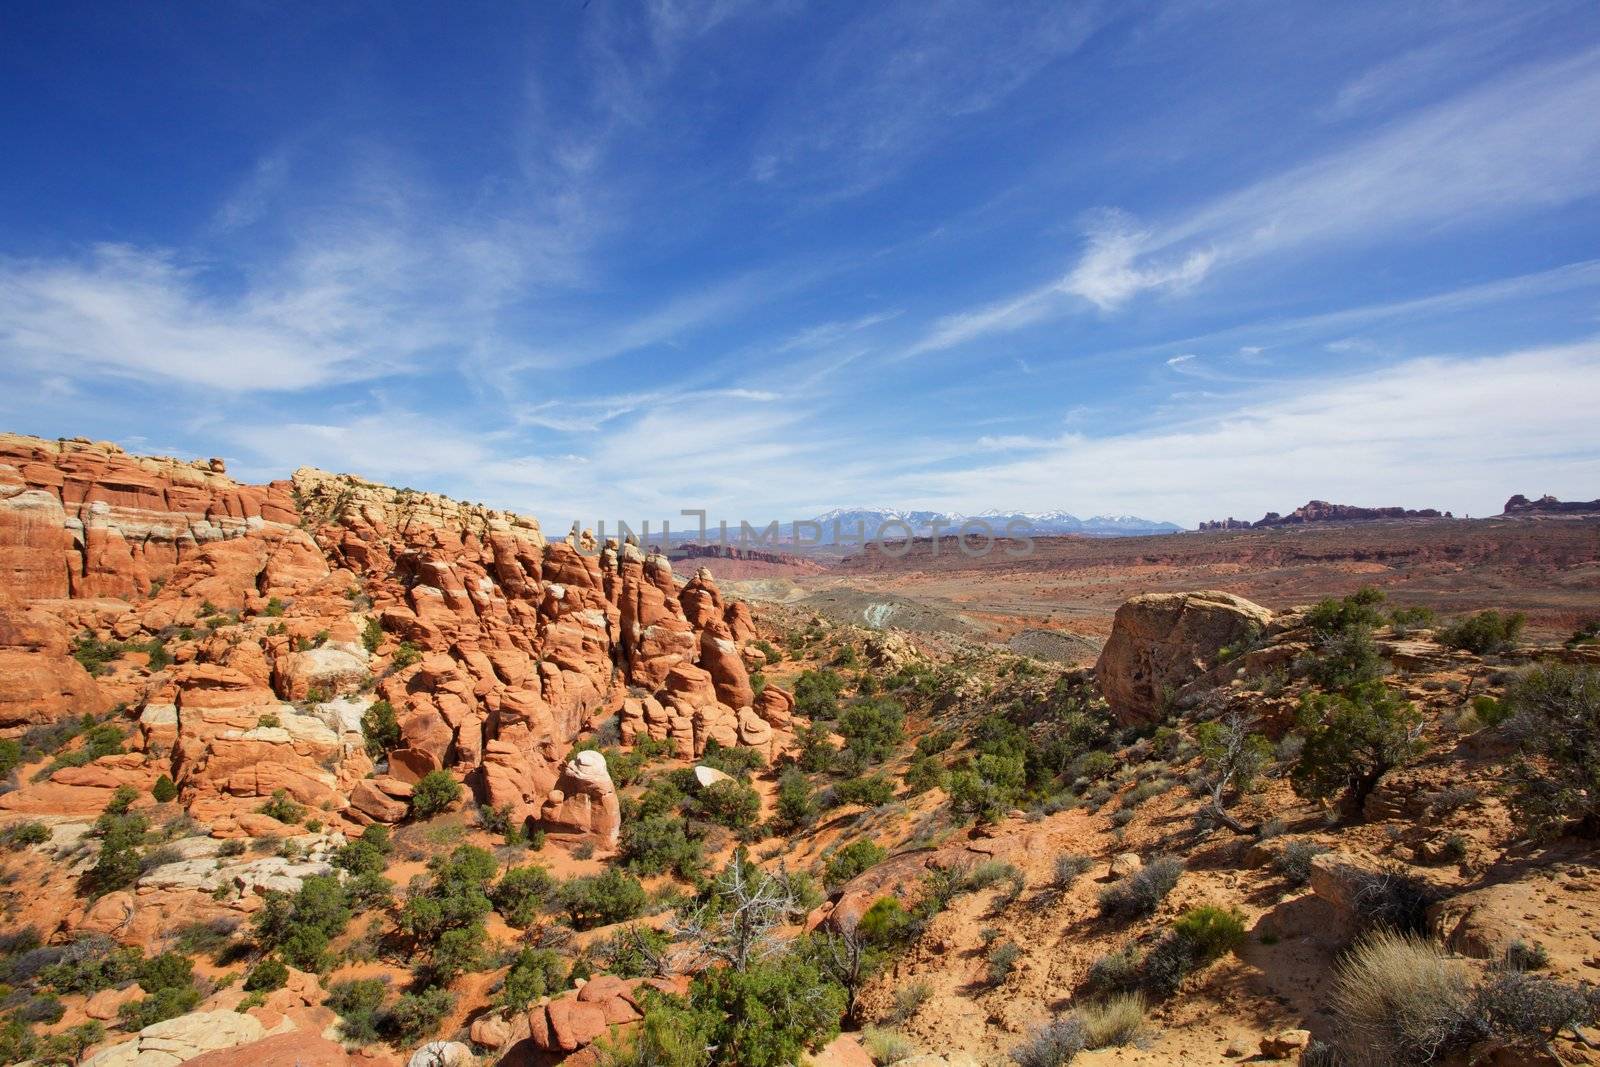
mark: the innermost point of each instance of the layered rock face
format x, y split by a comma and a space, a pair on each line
289, 610
1322, 511
1161, 641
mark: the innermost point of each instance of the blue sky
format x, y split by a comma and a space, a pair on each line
585, 260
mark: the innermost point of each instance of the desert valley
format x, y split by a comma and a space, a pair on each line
321, 771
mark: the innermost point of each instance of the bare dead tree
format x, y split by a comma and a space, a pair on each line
1231, 757
736, 924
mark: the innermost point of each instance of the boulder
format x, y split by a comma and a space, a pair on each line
1161, 641
442, 1054
588, 803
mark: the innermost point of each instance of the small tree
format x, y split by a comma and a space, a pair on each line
609, 897
164, 790
1555, 715
1484, 633
796, 807
729, 803
1352, 741
851, 860
434, 793
381, 727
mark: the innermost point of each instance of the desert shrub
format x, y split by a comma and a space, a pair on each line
121, 832
1294, 862
268, 974
599, 900
371, 634
1523, 955
922, 774
816, 694
1112, 1022
1053, 1045
872, 728
796, 807
522, 893
1555, 716
280, 807
445, 916
1527, 1011
406, 655
169, 1003
1344, 660
908, 998
1399, 1000
1141, 892
1392, 899
1352, 740
415, 1016
729, 803
213, 938
300, 926
23, 834
936, 741
1069, 867
1001, 961
359, 1004
164, 790
885, 1046
631, 952
870, 792
44, 1008
662, 796
851, 860
660, 843
1404, 620
1359, 610
367, 854
434, 793
381, 727
988, 788
534, 973
735, 760
1484, 633
1115, 972
1094, 765
817, 753
1213, 931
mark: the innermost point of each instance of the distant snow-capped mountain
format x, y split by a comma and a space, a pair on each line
844, 524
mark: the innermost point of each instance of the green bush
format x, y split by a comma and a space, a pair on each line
121, 832
1054, 1045
158, 1007
991, 786
851, 860
165, 791
283, 809
406, 655
1212, 931
359, 1005
1358, 611
1351, 741
371, 634
170, 970
1345, 660
796, 807
660, 843
817, 753
1555, 716
729, 803
870, 792
300, 926
1001, 961
922, 774
872, 728
1485, 633
381, 728
268, 974
735, 760
534, 973
445, 917
522, 894
434, 793
599, 900
23, 834
816, 694
767, 1014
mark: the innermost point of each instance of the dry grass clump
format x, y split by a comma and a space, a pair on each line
1400, 1000
886, 1046
1116, 1021
1053, 1045
1141, 892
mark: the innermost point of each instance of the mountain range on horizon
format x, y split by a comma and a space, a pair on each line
922, 523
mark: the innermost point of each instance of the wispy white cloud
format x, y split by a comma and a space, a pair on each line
1524, 141
1176, 360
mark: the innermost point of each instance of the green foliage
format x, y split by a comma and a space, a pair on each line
1555, 715
1358, 611
767, 1014
599, 900
987, 788
1484, 633
367, 854
737, 761
922, 774
121, 832
886, 924
851, 860
660, 843
631, 952
937, 741
23, 834
268, 974
767, 649
165, 791
871, 791
1001, 961
434, 793
729, 803
872, 728
167, 1004
359, 1005
1404, 620
534, 973
1351, 741
371, 634
796, 806
406, 655
381, 728
817, 753
170, 970
816, 694
283, 809
1212, 931
300, 926
1346, 659
274, 608
522, 894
